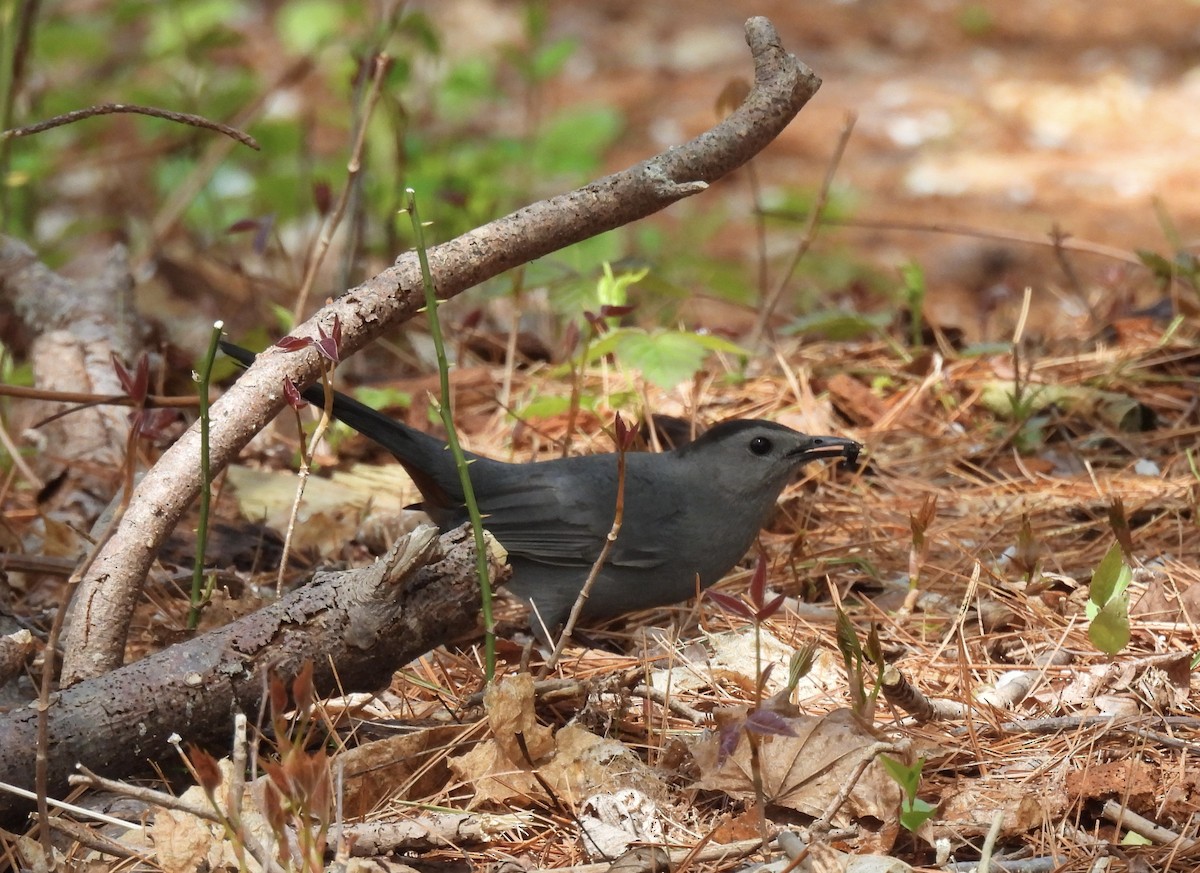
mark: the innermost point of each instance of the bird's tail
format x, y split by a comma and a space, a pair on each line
413, 448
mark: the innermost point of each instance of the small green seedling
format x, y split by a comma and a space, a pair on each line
914, 811
1108, 603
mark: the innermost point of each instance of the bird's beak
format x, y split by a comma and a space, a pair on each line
817, 447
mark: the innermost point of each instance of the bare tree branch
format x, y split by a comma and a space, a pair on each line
356, 627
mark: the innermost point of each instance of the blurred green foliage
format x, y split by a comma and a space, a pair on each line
436, 129
476, 132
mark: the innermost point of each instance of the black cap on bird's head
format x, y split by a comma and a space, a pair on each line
765, 439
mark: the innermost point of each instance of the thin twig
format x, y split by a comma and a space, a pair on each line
353, 169
100, 842
1072, 244
152, 401
303, 474
73, 808
673, 704
202, 527
184, 194
446, 411
153, 111
767, 308
594, 574
872, 752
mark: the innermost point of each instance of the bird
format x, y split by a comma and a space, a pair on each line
689, 516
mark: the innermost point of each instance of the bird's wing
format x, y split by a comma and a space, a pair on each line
543, 519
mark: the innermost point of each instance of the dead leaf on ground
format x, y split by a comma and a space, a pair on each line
573, 762
973, 807
806, 771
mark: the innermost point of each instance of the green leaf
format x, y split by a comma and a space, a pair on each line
384, 398
613, 290
1111, 578
305, 25
1109, 630
466, 86
186, 24
1135, 839
572, 143
545, 406
665, 358
847, 639
548, 61
1157, 264
907, 776
915, 813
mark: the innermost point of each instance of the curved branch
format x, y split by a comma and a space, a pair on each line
356, 627
107, 596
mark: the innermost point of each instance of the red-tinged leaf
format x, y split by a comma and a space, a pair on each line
765, 677
266, 228
924, 517
571, 337
624, 433
472, 319
123, 375
277, 695
597, 322
758, 584
244, 225
142, 379
208, 772
262, 228
327, 345
302, 687
136, 384
294, 343
768, 723
322, 197
152, 423
769, 609
613, 311
1118, 520
272, 803
292, 393
730, 735
731, 605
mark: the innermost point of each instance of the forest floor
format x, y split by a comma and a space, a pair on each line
1048, 410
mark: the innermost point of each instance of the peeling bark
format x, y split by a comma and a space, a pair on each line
357, 627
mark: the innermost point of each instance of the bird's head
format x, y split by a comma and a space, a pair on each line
761, 454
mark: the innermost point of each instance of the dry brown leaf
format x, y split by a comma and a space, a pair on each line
855, 400
1167, 601
573, 762
498, 768
972, 808
806, 771
181, 841
332, 508
509, 707
407, 766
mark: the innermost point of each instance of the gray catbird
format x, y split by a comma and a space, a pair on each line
690, 514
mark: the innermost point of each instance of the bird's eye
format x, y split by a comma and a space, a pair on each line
760, 445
